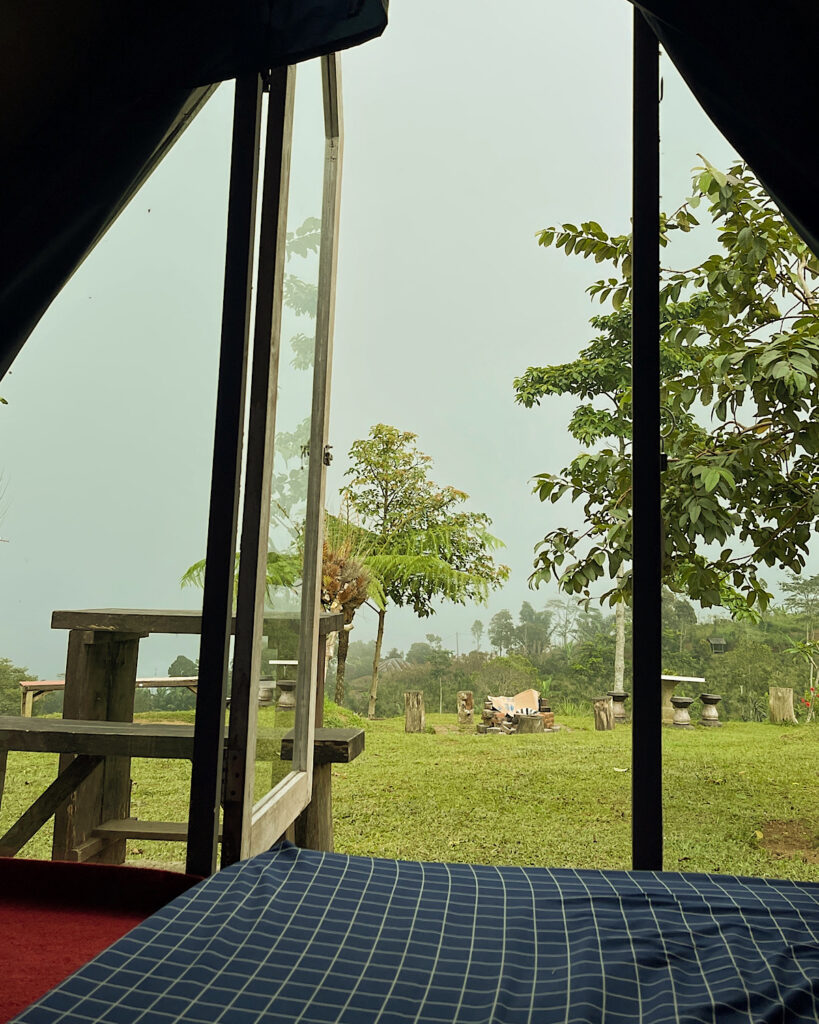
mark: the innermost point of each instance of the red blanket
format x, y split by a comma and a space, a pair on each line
54, 917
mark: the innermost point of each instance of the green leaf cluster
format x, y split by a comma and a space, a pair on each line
739, 348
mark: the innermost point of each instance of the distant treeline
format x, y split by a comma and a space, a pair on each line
568, 655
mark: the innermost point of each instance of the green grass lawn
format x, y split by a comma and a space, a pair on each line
743, 799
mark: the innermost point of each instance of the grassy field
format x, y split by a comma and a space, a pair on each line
743, 799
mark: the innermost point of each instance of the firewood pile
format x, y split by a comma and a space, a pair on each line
526, 712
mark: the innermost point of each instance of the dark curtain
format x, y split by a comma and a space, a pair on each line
93, 93
753, 67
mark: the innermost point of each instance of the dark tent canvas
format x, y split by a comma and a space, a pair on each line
752, 67
93, 95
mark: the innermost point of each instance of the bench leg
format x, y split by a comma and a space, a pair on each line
100, 678
30, 822
314, 826
27, 703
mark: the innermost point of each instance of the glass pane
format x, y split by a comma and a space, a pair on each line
288, 506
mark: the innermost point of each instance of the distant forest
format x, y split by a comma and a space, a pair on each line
565, 653
568, 655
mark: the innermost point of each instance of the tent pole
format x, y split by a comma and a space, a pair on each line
647, 795
217, 602
247, 648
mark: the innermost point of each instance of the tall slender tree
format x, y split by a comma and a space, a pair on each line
425, 546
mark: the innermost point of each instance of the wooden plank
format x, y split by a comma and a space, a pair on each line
313, 829
115, 799
3, 762
319, 418
90, 671
314, 826
86, 850
332, 746
65, 736
149, 620
32, 820
41, 685
274, 815
250, 601
153, 831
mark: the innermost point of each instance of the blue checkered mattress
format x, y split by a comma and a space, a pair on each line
294, 935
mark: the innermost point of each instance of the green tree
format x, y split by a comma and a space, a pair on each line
802, 599
423, 545
535, 629
182, 666
740, 367
477, 632
505, 676
502, 633
11, 676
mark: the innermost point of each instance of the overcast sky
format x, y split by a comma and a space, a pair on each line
468, 127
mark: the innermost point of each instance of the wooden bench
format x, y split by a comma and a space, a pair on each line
94, 742
32, 690
93, 787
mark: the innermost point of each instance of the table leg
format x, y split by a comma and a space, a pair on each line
100, 680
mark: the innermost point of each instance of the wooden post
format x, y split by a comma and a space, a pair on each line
603, 714
529, 723
780, 705
414, 720
100, 681
27, 703
466, 707
314, 826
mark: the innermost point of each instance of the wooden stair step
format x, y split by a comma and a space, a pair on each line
332, 746
134, 828
77, 736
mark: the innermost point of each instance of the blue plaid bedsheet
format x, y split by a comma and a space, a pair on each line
298, 936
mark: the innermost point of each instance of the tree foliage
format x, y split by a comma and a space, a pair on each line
740, 406
11, 676
423, 545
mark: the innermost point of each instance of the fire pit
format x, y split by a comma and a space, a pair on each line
526, 712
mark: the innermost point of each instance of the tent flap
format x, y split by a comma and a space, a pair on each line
753, 69
92, 96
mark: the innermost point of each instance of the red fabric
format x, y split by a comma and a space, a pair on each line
54, 917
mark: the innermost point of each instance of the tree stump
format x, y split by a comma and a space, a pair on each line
414, 720
603, 714
466, 707
780, 705
528, 723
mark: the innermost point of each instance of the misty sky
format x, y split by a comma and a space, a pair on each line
468, 127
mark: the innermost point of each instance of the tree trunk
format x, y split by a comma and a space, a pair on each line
382, 614
341, 664
466, 707
619, 645
414, 720
603, 714
780, 703
620, 618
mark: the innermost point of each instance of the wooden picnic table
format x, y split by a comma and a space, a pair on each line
93, 784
